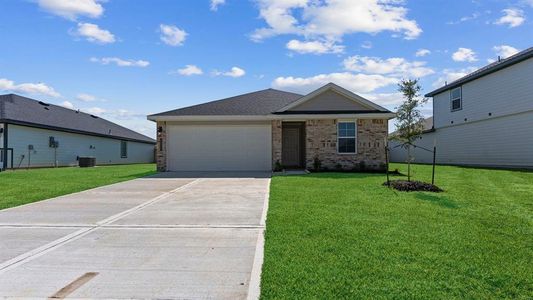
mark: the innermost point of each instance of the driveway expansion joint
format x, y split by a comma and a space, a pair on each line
32, 254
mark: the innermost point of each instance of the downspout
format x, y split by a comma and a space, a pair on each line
4, 153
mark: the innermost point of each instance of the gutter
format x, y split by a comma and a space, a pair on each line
520, 57
28, 124
271, 117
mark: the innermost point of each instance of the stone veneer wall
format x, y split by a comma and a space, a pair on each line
276, 142
321, 142
160, 152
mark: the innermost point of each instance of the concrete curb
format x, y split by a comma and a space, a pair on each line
254, 286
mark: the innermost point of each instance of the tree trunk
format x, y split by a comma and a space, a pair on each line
409, 163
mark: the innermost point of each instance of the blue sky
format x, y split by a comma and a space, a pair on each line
125, 59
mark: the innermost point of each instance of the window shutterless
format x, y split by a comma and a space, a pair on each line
123, 149
346, 137
456, 101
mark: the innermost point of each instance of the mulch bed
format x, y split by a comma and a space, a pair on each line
411, 186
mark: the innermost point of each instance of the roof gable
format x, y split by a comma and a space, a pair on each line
332, 97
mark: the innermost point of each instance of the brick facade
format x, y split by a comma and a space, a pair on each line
160, 152
321, 143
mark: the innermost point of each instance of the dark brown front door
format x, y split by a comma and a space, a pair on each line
292, 145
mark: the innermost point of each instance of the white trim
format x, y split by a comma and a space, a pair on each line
271, 117
347, 137
460, 98
254, 285
333, 87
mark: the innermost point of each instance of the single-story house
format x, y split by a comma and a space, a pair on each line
482, 119
38, 134
331, 128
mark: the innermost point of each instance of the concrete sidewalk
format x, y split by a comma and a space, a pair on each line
169, 238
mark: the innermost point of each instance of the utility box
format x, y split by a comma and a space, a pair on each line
86, 162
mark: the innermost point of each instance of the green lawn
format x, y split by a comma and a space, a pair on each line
339, 236
25, 186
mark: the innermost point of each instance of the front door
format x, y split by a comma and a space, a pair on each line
292, 145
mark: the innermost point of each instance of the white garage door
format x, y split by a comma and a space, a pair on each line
219, 147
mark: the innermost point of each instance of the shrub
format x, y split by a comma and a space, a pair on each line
278, 167
317, 164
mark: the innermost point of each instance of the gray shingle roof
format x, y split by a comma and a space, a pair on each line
21, 110
256, 103
493, 67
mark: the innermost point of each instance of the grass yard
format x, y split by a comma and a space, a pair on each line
25, 186
340, 236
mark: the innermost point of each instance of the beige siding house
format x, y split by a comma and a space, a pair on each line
484, 118
273, 129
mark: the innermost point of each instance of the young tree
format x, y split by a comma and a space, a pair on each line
409, 124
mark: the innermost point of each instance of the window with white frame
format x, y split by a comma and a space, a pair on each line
456, 99
346, 137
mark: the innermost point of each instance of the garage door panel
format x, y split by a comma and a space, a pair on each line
219, 147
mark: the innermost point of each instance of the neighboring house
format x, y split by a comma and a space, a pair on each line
484, 118
38, 134
263, 129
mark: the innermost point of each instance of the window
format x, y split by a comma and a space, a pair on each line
456, 99
123, 149
346, 135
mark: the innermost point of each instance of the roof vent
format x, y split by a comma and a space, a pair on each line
77, 111
499, 58
46, 108
44, 104
94, 116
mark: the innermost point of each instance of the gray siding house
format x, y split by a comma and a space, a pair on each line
269, 129
484, 118
38, 134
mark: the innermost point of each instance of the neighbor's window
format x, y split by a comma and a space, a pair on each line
456, 99
123, 149
346, 137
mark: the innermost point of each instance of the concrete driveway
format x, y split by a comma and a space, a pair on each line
175, 235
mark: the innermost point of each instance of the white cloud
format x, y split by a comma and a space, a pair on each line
95, 34
97, 111
234, 72
358, 83
384, 99
464, 54
120, 62
367, 45
71, 9
67, 104
216, 3
172, 35
505, 51
314, 47
86, 97
422, 52
28, 88
331, 19
394, 66
449, 75
89, 98
188, 70
471, 17
512, 17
